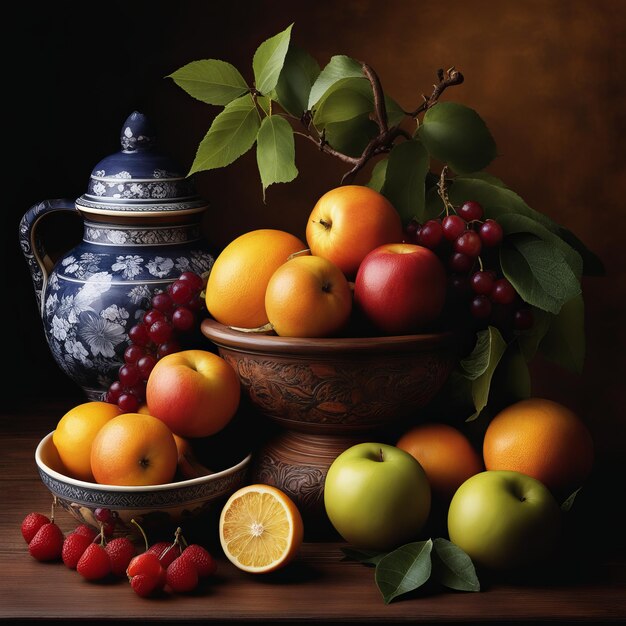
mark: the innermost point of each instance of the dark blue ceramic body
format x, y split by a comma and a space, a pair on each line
141, 231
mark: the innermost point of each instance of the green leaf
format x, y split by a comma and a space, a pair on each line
568, 503
404, 569
351, 136
275, 151
511, 378
344, 100
367, 557
338, 68
592, 264
538, 271
457, 135
232, 133
404, 180
530, 339
395, 114
480, 365
452, 567
378, 175
494, 198
211, 81
269, 59
299, 72
512, 224
265, 102
564, 342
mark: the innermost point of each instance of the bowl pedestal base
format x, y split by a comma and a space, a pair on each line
297, 463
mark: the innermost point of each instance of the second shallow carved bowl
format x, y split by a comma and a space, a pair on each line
345, 385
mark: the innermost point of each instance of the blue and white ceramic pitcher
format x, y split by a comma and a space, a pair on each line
141, 231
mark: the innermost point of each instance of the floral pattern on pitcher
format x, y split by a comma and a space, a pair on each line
93, 298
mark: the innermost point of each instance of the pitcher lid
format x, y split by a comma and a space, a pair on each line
139, 179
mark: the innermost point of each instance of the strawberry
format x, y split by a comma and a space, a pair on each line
204, 562
47, 544
73, 547
120, 550
146, 574
182, 575
31, 524
166, 551
94, 563
144, 584
87, 531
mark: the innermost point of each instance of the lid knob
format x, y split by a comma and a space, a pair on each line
137, 133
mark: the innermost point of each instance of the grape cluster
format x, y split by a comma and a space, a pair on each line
172, 314
467, 244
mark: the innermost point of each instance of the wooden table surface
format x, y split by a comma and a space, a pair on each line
319, 586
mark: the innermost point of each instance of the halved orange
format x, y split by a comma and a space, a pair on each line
261, 529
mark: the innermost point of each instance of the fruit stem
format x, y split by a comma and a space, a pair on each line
381, 458
53, 506
443, 193
145, 538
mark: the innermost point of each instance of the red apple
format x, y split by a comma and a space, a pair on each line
195, 392
400, 288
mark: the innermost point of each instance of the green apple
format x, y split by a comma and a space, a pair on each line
504, 519
376, 496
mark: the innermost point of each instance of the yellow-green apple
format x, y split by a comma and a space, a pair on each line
376, 496
195, 392
348, 222
308, 296
504, 519
400, 288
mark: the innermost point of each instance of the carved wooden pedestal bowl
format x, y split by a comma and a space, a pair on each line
326, 395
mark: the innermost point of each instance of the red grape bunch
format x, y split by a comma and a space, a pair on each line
173, 314
468, 245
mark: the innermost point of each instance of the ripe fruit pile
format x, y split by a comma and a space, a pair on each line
171, 567
173, 314
468, 245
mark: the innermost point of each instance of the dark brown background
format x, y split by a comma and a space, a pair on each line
547, 77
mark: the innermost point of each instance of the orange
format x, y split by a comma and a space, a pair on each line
261, 529
543, 439
350, 221
308, 297
235, 291
134, 449
75, 433
445, 453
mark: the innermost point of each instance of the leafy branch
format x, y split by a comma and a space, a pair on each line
344, 111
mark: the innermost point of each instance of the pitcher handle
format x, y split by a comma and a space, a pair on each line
39, 263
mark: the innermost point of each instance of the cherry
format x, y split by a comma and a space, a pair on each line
503, 292
430, 234
453, 227
468, 243
523, 319
491, 233
470, 211
480, 307
461, 263
482, 282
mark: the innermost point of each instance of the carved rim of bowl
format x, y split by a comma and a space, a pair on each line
224, 336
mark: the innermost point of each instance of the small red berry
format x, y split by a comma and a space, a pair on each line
196, 282
166, 551
144, 563
200, 557
144, 584
94, 564
182, 575
121, 550
31, 524
74, 547
47, 544
88, 531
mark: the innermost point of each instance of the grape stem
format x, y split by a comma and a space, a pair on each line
443, 192
384, 141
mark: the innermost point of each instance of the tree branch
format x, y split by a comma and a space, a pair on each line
380, 108
447, 79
